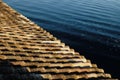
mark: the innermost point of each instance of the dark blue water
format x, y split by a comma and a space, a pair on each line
91, 27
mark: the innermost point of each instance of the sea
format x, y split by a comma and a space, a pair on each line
91, 27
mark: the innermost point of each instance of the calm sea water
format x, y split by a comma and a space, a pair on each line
91, 27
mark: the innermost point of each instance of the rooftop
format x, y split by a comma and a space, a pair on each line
28, 52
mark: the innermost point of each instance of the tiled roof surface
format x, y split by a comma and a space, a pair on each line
27, 52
